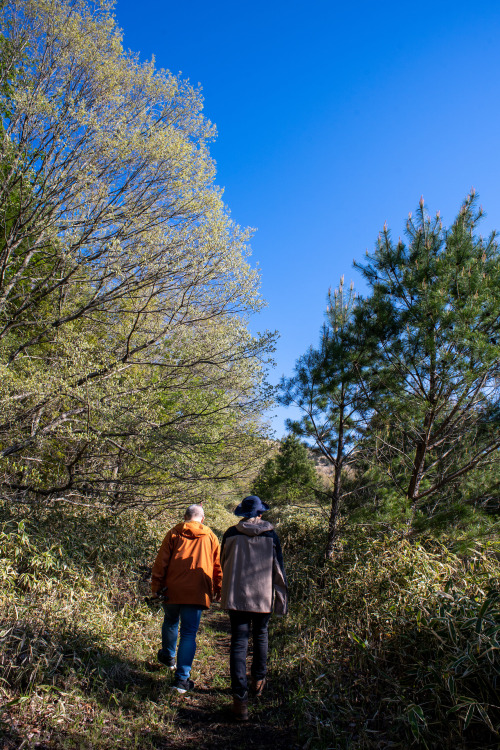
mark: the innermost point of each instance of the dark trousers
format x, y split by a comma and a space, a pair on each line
241, 622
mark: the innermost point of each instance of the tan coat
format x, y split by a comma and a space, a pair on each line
254, 578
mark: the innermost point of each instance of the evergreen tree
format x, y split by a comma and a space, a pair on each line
289, 477
327, 390
433, 321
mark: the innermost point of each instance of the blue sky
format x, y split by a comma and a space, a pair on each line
333, 118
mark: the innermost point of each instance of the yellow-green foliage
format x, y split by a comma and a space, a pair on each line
127, 371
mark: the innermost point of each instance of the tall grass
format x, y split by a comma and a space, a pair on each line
74, 631
78, 645
395, 643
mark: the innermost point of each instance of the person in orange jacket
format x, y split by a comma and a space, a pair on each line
188, 576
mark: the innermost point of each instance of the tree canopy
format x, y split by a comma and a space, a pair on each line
128, 372
432, 321
402, 394
327, 390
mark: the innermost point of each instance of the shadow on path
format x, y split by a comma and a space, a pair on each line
130, 704
204, 718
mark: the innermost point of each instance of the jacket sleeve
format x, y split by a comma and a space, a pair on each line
217, 570
223, 544
279, 555
280, 586
160, 565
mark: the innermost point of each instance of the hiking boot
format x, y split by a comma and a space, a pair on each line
168, 661
257, 686
182, 686
240, 708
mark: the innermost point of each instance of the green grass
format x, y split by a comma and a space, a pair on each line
75, 633
395, 643
392, 644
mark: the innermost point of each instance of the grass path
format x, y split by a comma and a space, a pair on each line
203, 718
126, 702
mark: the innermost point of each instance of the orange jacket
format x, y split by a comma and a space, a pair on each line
188, 564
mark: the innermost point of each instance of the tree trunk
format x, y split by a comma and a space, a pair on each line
419, 460
337, 479
332, 521
418, 471
423, 445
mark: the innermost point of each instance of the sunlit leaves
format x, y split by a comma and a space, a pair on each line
124, 285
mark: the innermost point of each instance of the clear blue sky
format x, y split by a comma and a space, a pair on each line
332, 119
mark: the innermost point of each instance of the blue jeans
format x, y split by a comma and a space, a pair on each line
189, 615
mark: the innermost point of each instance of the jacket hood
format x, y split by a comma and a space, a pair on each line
254, 526
191, 529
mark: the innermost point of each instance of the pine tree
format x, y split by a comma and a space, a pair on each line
289, 477
433, 321
327, 390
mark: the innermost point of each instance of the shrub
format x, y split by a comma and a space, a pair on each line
394, 642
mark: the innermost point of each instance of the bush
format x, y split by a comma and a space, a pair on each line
69, 592
393, 643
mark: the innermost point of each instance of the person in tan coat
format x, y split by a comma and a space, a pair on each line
187, 575
254, 585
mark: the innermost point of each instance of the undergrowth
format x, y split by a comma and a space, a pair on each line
394, 643
74, 629
78, 667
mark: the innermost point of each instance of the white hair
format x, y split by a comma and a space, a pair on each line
194, 513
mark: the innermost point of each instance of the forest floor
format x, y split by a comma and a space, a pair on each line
133, 706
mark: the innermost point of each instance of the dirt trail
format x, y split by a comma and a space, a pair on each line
129, 705
204, 719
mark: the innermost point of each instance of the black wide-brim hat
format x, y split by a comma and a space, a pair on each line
251, 506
